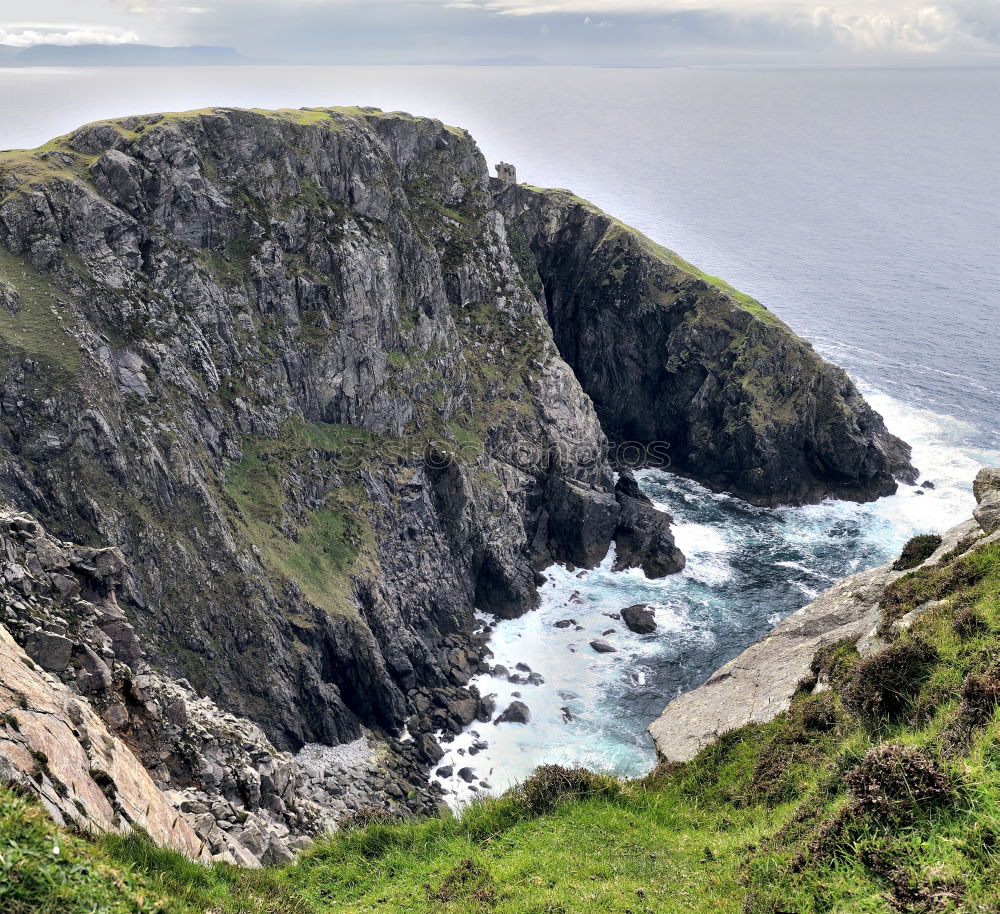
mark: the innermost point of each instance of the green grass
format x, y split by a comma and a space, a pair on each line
35, 330
230, 266
797, 815
766, 820
46, 870
319, 549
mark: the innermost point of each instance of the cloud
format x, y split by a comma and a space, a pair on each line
66, 36
608, 32
136, 6
906, 26
921, 30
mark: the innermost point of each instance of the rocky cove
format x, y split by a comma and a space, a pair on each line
288, 397
747, 569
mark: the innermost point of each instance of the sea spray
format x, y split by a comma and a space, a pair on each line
747, 569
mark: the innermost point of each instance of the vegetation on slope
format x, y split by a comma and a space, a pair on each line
878, 793
45, 870
619, 231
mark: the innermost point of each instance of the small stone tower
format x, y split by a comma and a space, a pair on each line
507, 173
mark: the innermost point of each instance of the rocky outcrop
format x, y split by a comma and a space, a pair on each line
642, 536
684, 370
286, 361
289, 365
55, 746
986, 489
107, 741
759, 684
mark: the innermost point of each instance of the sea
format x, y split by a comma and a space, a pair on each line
862, 206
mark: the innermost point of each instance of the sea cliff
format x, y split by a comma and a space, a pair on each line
327, 390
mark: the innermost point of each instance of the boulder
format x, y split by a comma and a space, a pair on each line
986, 488
430, 749
602, 647
487, 708
517, 713
50, 651
464, 709
639, 618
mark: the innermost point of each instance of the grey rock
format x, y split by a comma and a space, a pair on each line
50, 651
517, 713
602, 647
759, 684
430, 749
616, 299
986, 489
639, 618
281, 303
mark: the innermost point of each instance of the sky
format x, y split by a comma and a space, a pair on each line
597, 32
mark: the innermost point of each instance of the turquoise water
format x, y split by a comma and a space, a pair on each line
747, 568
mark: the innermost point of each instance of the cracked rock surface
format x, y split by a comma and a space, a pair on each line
108, 742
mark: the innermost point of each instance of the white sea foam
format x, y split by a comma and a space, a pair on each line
747, 568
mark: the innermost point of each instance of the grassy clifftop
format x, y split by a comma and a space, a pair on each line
879, 791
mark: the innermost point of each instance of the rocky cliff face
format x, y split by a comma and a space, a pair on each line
107, 741
760, 683
53, 742
286, 362
674, 358
55, 746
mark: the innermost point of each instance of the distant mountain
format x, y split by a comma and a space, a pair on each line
122, 55
512, 60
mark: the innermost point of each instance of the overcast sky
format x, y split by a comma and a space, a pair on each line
554, 31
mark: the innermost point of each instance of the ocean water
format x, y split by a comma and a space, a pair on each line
747, 568
862, 206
